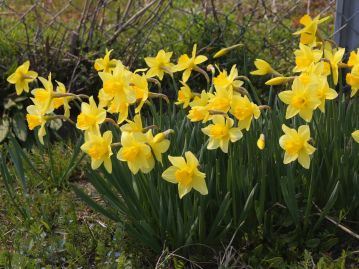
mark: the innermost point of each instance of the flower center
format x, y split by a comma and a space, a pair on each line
112, 87
293, 146
98, 151
219, 131
85, 120
299, 101
130, 153
33, 121
184, 176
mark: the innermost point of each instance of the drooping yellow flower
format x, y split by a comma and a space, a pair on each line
140, 86
98, 147
305, 57
301, 99
355, 136
221, 132
261, 142
278, 81
352, 79
188, 64
296, 146
62, 101
134, 126
36, 117
224, 51
334, 56
227, 82
324, 92
160, 64
220, 101
244, 111
158, 143
22, 77
105, 64
353, 58
44, 96
308, 33
184, 95
136, 152
91, 116
185, 173
263, 68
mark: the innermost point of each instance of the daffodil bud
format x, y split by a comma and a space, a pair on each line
278, 81
261, 142
224, 51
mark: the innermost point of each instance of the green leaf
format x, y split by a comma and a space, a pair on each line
19, 126
4, 129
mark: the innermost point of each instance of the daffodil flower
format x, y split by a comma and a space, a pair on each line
220, 101
263, 68
160, 64
199, 109
134, 126
305, 57
91, 116
139, 85
221, 132
334, 56
301, 99
244, 110
105, 64
188, 64
44, 96
22, 77
34, 118
324, 92
227, 81
309, 32
261, 142
296, 146
355, 136
62, 101
98, 147
136, 152
352, 79
353, 58
158, 143
184, 95
185, 173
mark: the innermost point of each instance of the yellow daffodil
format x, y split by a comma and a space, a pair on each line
91, 116
224, 51
136, 152
158, 143
220, 101
199, 109
334, 56
261, 142
244, 111
305, 57
352, 79
140, 86
301, 99
308, 33
296, 146
104, 99
221, 132
134, 126
105, 64
355, 136
353, 58
44, 96
278, 81
185, 173
62, 101
22, 77
184, 95
36, 117
324, 92
98, 147
263, 68
228, 82
160, 64
188, 64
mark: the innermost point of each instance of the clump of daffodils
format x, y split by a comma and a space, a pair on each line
225, 109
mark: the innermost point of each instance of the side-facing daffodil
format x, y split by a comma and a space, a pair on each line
158, 143
91, 116
227, 81
160, 64
244, 111
334, 56
98, 147
184, 95
309, 32
188, 64
136, 152
34, 118
352, 79
62, 101
220, 101
199, 110
105, 64
263, 68
185, 173
134, 126
353, 58
324, 92
221, 132
301, 99
44, 96
140, 86
355, 136
22, 77
296, 146
305, 57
